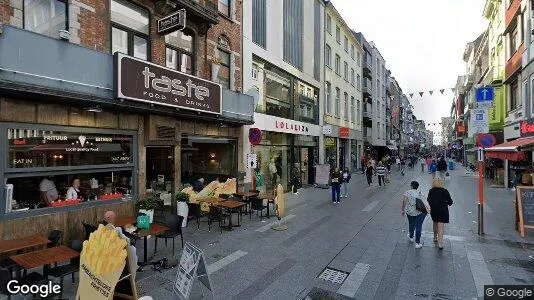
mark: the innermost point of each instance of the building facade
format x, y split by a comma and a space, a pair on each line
283, 67
343, 93
112, 101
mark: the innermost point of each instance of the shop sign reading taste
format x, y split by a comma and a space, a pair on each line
139, 80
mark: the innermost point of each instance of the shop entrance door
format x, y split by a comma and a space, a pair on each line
342, 149
160, 168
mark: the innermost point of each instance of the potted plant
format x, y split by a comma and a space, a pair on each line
147, 206
181, 206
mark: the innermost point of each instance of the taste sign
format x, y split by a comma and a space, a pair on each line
139, 80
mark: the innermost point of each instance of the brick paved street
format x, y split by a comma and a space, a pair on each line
364, 236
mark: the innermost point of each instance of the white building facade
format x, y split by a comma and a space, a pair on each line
343, 94
283, 69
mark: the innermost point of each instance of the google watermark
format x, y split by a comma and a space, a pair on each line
43, 290
508, 292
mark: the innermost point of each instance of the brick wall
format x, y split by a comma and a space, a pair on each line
89, 25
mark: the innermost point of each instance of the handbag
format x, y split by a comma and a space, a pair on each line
420, 206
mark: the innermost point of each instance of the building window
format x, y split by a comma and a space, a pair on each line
352, 51
259, 22
352, 109
336, 104
346, 71
277, 100
179, 52
224, 56
224, 7
307, 97
515, 41
130, 29
515, 97
338, 35
352, 77
338, 65
358, 59
328, 24
346, 44
328, 103
346, 106
358, 83
293, 28
378, 136
328, 56
46, 17
358, 113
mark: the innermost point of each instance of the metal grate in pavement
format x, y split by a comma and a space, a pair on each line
333, 275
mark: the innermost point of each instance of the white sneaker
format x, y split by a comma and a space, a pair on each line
411, 239
418, 246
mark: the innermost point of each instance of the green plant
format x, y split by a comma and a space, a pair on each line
182, 197
149, 203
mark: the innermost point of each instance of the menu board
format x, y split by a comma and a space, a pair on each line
192, 266
322, 175
525, 208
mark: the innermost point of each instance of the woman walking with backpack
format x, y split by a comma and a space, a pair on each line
416, 210
439, 199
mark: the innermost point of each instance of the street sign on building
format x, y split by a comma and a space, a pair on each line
484, 97
479, 122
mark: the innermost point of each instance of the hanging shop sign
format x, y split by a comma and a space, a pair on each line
139, 80
344, 132
171, 23
527, 128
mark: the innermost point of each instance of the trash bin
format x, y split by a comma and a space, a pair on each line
451, 165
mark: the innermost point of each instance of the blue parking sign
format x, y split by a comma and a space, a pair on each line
480, 117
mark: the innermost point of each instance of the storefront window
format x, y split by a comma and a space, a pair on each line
42, 165
209, 158
33, 192
330, 144
43, 149
273, 161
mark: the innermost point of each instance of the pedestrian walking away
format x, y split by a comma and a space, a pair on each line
442, 167
335, 180
433, 168
398, 161
295, 179
346, 180
369, 172
415, 216
439, 200
422, 161
381, 172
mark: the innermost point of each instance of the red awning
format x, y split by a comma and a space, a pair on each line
510, 150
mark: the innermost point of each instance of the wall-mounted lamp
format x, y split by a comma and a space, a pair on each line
95, 109
212, 155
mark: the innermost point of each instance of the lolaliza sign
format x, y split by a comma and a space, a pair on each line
139, 80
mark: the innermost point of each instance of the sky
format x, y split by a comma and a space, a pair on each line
422, 41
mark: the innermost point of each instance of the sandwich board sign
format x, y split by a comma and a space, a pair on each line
192, 266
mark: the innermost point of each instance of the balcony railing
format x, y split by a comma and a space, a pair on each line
511, 12
200, 11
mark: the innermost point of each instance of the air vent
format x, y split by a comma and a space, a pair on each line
165, 132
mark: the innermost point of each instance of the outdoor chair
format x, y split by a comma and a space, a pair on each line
195, 212
174, 223
68, 269
217, 214
55, 237
257, 205
88, 229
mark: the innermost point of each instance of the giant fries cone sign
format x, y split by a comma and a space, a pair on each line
102, 262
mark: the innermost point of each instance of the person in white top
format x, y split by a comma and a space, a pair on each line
47, 187
398, 161
74, 191
415, 217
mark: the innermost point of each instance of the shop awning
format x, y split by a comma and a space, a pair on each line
512, 150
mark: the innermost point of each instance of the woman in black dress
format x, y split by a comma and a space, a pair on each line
439, 200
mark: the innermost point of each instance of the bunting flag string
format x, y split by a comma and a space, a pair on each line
431, 92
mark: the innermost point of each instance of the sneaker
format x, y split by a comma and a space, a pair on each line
418, 246
409, 238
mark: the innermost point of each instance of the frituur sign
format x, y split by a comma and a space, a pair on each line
139, 80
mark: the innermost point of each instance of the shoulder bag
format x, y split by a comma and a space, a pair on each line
420, 206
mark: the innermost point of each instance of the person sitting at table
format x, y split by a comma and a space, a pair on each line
109, 218
198, 185
74, 191
48, 190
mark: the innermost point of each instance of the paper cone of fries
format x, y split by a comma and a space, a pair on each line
102, 262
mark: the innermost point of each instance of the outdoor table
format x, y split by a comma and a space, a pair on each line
231, 206
270, 200
44, 257
247, 196
211, 200
154, 229
23, 243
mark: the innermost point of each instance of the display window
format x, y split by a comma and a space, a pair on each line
52, 166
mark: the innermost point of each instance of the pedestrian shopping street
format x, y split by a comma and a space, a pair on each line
365, 236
